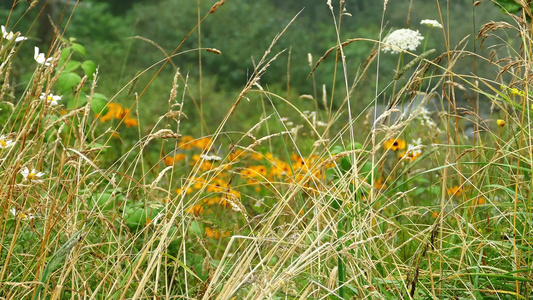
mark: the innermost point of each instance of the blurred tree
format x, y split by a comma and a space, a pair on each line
120, 7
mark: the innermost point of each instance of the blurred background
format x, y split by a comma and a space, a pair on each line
114, 33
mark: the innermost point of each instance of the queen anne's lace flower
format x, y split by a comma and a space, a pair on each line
10, 35
50, 99
431, 23
401, 40
210, 157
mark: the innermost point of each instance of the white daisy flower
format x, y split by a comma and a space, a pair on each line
10, 35
22, 215
401, 40
5, 143
32, 176
50, 99
39, 57
431, 23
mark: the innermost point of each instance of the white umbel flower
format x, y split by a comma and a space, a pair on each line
10, 35
5, 143
32, 176
50, 99
39, 57
431, 23
210, 157
401, 40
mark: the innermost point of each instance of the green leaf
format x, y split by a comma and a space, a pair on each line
195, 228
76, 101
79, 48
89, 67
71, 66
336, 150
346, 165
98, 104
67, 81
65, 53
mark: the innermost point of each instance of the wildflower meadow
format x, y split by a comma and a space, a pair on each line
330, 150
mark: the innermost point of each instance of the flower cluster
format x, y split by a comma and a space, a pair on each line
116, 111
431, 23
402, 40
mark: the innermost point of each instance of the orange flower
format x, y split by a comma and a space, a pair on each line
111, 107
186, 142
203, 143
280, 168
130, 122
217, 186
379, 184
232, 193
256, 156
196, 209
168, 160
198, 183
410, 154
180, 190
212, 201
435, 214
299, 163
179, 157
455, 191
235, 155
394, 144
213, 233
481, 201
116, 111
254, 171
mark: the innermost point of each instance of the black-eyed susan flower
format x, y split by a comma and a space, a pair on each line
500, 122
394, 144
